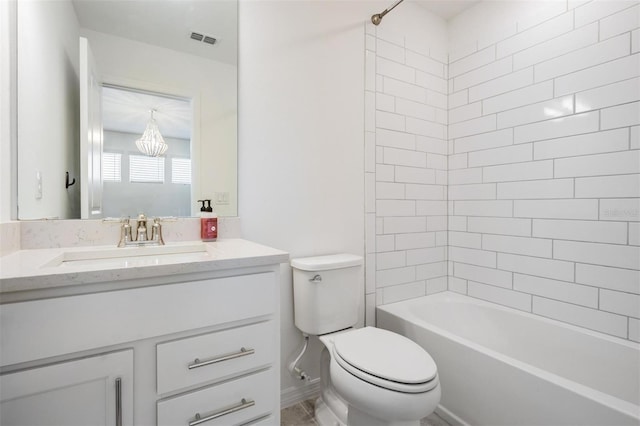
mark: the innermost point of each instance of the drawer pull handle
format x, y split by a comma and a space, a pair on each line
215, 415
243, 352
118, 401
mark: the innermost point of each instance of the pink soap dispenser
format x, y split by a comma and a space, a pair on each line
208, 222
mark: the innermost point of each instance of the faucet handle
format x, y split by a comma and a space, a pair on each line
125, 232
156, 231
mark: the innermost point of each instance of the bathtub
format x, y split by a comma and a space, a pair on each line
500, 366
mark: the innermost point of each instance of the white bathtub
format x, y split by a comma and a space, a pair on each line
500, 366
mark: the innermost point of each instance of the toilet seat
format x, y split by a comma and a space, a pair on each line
385, 359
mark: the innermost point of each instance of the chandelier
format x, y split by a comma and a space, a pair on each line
151, 142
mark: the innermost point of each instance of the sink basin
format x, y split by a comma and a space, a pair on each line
126, 257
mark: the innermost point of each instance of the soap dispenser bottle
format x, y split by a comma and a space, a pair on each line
208, 222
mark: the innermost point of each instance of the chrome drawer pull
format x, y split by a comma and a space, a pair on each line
243, 352
118, 401
243, 404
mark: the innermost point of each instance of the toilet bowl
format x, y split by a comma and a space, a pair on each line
383, 378
369, 376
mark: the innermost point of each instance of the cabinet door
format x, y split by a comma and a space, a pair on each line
91, 391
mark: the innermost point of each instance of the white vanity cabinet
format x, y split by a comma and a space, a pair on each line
187, 349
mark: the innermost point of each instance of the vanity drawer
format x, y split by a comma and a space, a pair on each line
219, 355
224, 402
42, 328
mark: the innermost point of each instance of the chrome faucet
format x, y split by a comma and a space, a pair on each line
141, 235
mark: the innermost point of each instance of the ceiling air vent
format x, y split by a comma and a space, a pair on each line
203, 38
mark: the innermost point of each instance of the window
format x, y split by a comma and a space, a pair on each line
111, 166
144, 169
181, 170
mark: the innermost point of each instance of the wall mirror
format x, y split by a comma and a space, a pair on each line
88, 74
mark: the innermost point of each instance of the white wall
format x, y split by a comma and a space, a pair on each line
212, 83
405, 162
544, 167
301, 150
48, 110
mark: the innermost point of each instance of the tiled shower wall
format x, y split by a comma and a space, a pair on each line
543, 167
543, 171
405, 169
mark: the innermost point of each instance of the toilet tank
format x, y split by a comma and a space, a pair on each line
326, 292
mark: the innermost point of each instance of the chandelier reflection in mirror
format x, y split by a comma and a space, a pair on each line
152, 143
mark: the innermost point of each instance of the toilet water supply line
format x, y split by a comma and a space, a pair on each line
293, 367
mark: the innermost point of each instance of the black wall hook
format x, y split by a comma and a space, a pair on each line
67, 183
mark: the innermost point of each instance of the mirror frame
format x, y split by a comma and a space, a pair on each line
9, 110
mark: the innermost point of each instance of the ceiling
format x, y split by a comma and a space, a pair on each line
128, 111
446, 9
167, 23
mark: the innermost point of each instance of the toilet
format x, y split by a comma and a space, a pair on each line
368, 376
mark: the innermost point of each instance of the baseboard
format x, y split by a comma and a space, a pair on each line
295, 394
449, 417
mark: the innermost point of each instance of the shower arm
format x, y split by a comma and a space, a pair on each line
377, 18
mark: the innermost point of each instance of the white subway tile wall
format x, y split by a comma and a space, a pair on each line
406, 170
544, 171
537, 204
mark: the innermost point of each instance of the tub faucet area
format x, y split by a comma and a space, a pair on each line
142, 232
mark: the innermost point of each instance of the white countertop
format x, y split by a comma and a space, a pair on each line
39, 269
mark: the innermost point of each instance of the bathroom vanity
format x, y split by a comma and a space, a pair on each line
185, 335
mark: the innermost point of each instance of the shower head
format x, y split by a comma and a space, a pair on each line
377, 18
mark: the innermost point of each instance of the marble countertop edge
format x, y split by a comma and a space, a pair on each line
24, 270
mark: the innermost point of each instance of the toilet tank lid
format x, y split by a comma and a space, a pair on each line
323, 263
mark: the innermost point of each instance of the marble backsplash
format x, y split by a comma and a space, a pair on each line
9, 237
39, 234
